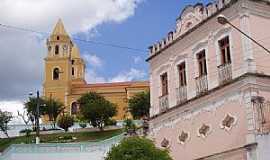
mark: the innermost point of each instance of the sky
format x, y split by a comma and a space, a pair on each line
131, 23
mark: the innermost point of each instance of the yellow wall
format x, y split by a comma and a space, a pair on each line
68, 88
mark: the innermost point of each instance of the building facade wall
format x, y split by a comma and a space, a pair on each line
233, 97
71, 85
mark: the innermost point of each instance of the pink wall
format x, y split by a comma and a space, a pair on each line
249, 16
217, 141
205, 37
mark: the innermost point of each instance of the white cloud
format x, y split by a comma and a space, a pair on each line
137, 59
132, 74
22, 53
93, 60
13, 106
78, 15
92, 77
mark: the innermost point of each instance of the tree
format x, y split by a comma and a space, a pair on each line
96, 109
136, 148
5, 118
26, 117
65, 121
31, 108
53, 108
139, 105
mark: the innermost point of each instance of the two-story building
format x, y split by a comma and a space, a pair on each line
210, 84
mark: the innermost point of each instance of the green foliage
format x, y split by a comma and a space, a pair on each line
53, 108
26, 130
64, 139
82, 125
111, 122
96, 109
54, 138
136, 148
31, 106
65, 121
5, 118
129, 125
139, 105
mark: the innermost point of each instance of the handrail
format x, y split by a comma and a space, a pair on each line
225, 73
181, 94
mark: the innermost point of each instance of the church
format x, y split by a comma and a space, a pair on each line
64, 77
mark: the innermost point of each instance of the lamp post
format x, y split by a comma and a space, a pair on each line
224, 20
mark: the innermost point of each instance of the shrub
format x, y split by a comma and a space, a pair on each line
129, 124
25, 130
82, 125
136, 148
111, 122
65, 121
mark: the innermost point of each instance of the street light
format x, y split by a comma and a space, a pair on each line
224, 20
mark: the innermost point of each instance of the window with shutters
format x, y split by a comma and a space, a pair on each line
164, 84
224, 46
182, 74
202, 63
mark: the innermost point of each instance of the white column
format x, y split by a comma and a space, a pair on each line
247, 43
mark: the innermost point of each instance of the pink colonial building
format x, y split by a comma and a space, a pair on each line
210, 85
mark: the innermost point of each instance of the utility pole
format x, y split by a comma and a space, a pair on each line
37, 119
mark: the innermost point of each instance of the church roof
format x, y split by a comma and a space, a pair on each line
114, 84
75, 53
59, 29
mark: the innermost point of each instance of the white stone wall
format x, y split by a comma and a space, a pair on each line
263, 149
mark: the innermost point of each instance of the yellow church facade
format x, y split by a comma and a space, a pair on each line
64, 77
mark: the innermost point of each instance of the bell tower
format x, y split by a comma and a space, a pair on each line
77, 67
57, 79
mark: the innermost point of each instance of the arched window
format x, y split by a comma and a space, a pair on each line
74, 108
56, 51
56, 73
72, 71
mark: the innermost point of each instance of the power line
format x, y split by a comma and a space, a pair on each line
76, 39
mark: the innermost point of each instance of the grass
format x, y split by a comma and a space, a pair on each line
61, 138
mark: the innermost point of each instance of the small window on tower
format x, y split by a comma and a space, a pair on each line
72, 71
72, 62
56, 51
58, 38
56, 74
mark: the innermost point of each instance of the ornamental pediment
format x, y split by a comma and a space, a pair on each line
191, 16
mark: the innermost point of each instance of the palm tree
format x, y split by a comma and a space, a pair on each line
53, 108
31, 108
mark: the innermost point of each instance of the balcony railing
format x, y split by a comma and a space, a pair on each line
225, 73
201, 84
181, 94
163, 103
262, 115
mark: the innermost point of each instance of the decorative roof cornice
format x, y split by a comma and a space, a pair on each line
191, 18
